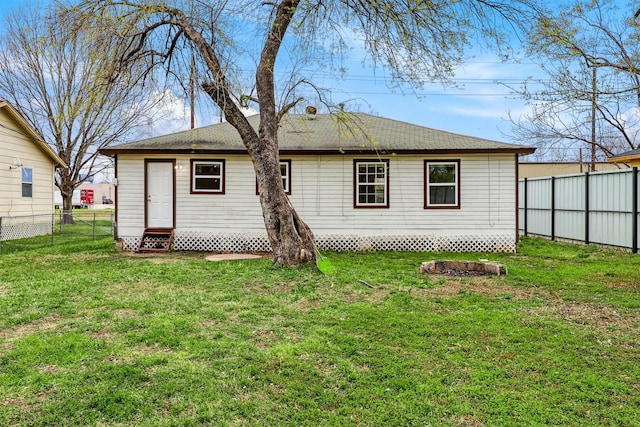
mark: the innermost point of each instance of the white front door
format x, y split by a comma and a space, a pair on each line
159, 194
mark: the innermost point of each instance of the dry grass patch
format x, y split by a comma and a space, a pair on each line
265, 339
48, 369
43, 324
27, 404
597, 317
592, 316
163, 257
482, 285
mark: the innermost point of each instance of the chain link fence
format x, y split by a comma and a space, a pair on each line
32, 231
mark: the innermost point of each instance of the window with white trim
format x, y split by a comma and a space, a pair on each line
442, 184
27, 182
371, 183
285, 171
207, 176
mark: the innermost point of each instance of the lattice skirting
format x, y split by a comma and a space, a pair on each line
238, 242
24, 230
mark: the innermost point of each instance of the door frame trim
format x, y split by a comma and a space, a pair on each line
173, 189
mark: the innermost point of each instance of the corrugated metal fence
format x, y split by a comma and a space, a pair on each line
598, 207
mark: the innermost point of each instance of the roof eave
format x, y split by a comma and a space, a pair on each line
622, 159
333, 151
42, 145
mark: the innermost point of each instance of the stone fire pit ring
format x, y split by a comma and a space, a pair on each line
457, 268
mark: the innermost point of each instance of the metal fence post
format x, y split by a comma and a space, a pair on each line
634, 209
53, 226
94, 226
525, 205
586, 208
553, 208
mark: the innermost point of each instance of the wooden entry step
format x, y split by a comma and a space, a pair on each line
156, 240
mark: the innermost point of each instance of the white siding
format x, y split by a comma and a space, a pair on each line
237, 209
325, 198
14, 143
130, 195
322, 193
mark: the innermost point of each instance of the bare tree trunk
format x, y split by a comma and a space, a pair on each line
67, 208
291, 238
66, 191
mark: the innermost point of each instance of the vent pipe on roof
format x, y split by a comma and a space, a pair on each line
311, 112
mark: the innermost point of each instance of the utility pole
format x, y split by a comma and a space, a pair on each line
581, 162
192, 91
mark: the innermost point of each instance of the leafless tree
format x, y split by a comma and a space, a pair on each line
591, 90
241, 44
63, 78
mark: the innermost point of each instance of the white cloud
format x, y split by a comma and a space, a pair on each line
171, 114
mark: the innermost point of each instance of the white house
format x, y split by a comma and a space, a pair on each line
27, 168
368, 183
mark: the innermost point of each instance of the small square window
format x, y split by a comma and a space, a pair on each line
27, 182
207, 176
371, 180
442, 184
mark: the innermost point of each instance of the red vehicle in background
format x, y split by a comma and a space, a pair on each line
86, 197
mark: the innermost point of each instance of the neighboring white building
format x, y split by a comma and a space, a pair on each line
371, 184
27, 168
103, 194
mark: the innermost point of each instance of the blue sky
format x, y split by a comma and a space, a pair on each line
480, 107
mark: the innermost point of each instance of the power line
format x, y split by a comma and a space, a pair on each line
427, 94
13, 130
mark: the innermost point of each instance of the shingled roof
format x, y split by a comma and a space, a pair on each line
323, 134
626, 156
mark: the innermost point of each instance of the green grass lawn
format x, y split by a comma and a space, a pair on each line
89, 336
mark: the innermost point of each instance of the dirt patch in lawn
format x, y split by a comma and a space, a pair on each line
231, 257
598, 317
594, 316
39, 325
480, 285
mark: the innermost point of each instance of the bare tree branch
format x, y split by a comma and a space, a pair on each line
63, 78
589, 52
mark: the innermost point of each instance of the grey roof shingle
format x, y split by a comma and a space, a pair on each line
631, 153
323, 134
